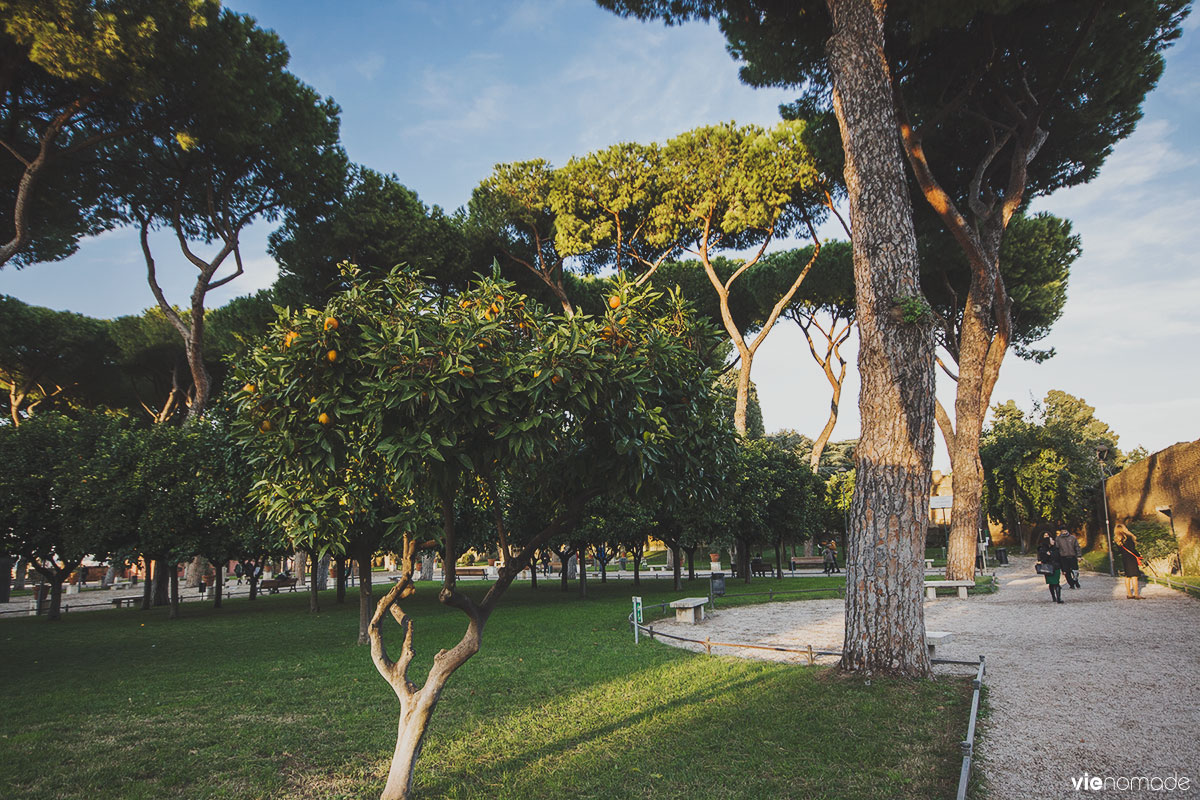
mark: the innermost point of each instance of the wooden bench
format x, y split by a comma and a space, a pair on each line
934, 638
273, 585
125, 601
689, 609
758, 567
471, 572
800, 562
931, 588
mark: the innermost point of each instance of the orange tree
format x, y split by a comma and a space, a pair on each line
396, 391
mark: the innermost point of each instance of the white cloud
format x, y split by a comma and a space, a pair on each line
370, 65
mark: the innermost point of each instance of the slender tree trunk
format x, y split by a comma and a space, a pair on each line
533, 571
365, 600
21, 571
778, 562
341, 579
218, 585
314, 597
637, 552
885, 621
581, 552
6, 565
677, 567
110, 574
691, 556
147, 584
174, 613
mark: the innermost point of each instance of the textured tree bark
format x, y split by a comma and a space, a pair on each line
341, 579
174, 612
885, 621
6, 564
364, 597
314, 587
161, 582
970, 407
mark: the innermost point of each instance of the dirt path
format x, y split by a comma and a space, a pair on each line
1098, 684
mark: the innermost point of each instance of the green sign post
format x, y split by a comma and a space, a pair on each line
637, 617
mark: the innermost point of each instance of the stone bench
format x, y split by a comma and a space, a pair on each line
934, 638
689, 609
125, 601
931, 588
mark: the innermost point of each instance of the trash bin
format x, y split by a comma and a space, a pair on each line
716, 585
203, 587
1002, 555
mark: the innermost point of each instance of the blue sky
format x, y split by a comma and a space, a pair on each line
439, 92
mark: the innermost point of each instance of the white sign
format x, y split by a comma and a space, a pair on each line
637, 610
942, 501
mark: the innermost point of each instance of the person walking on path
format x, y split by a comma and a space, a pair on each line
1048, 554
829, 558
1068, 553
1131, 560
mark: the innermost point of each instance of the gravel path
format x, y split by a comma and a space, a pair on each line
1099, 684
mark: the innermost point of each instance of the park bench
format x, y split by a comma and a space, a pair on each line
471, 572
689, 609
931, 588
273, 585
934, 638
121, 584
125, 601
802, 562
758, 567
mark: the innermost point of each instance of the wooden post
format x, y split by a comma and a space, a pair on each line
810, 656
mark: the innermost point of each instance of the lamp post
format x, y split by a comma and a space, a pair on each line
1166, 511
1101, 454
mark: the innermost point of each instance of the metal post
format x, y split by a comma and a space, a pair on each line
1101, 452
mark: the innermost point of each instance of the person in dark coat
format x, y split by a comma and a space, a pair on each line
1069, 552
1131, 560
1048, 554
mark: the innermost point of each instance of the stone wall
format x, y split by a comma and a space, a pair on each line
1169, 478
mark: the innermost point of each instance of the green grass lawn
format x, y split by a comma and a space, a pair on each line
265, 700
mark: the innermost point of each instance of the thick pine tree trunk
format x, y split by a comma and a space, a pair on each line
885, 624
218, 586
973, 394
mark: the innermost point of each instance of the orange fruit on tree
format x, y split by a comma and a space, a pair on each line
249, 388
323, 418
289, 338
614, 302
331, 323
555, 378
332, 355
266, 425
